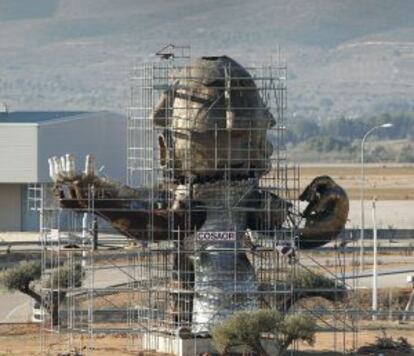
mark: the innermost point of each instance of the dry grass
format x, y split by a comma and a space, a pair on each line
386, 182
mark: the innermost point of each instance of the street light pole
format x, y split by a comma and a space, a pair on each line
362, 177
374, 266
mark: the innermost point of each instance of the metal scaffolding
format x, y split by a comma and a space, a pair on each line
155, 287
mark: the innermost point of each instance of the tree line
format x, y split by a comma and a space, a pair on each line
344, 135
302, 129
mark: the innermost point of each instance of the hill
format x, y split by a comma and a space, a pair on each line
345, 57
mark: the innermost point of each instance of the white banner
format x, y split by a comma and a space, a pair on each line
216, 236
54, 234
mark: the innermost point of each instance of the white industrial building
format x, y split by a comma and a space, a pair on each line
28, 139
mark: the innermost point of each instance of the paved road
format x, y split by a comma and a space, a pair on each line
387, 277
14, 307
396, 213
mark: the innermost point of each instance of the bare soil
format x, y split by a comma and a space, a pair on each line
27, 339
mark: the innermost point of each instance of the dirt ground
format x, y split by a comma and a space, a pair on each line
27, 339
386, 182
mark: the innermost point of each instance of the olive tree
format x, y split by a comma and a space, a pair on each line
21, 277
25, 277
247, 331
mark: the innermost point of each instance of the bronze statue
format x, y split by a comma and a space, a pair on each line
214, 127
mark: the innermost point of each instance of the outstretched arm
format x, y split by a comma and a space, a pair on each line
128, 210
136, 213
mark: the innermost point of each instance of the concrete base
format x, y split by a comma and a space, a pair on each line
177, 346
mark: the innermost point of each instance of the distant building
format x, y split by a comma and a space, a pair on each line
28, 139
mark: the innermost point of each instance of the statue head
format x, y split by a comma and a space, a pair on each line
215, 121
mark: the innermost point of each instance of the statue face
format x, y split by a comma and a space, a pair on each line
215, 119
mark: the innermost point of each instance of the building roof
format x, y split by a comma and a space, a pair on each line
36, 116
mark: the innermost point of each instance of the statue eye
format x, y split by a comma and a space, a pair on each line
163, 150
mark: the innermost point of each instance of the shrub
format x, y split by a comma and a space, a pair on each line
406, 154
21, 276
244, 331
380, 154
386, 343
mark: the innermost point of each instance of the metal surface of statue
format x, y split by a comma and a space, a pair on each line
214, 144
217, 114
326, 213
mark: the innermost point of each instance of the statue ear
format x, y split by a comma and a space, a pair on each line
163, 150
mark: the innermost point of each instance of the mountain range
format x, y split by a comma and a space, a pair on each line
346, 58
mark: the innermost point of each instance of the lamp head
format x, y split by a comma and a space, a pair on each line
387, 125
